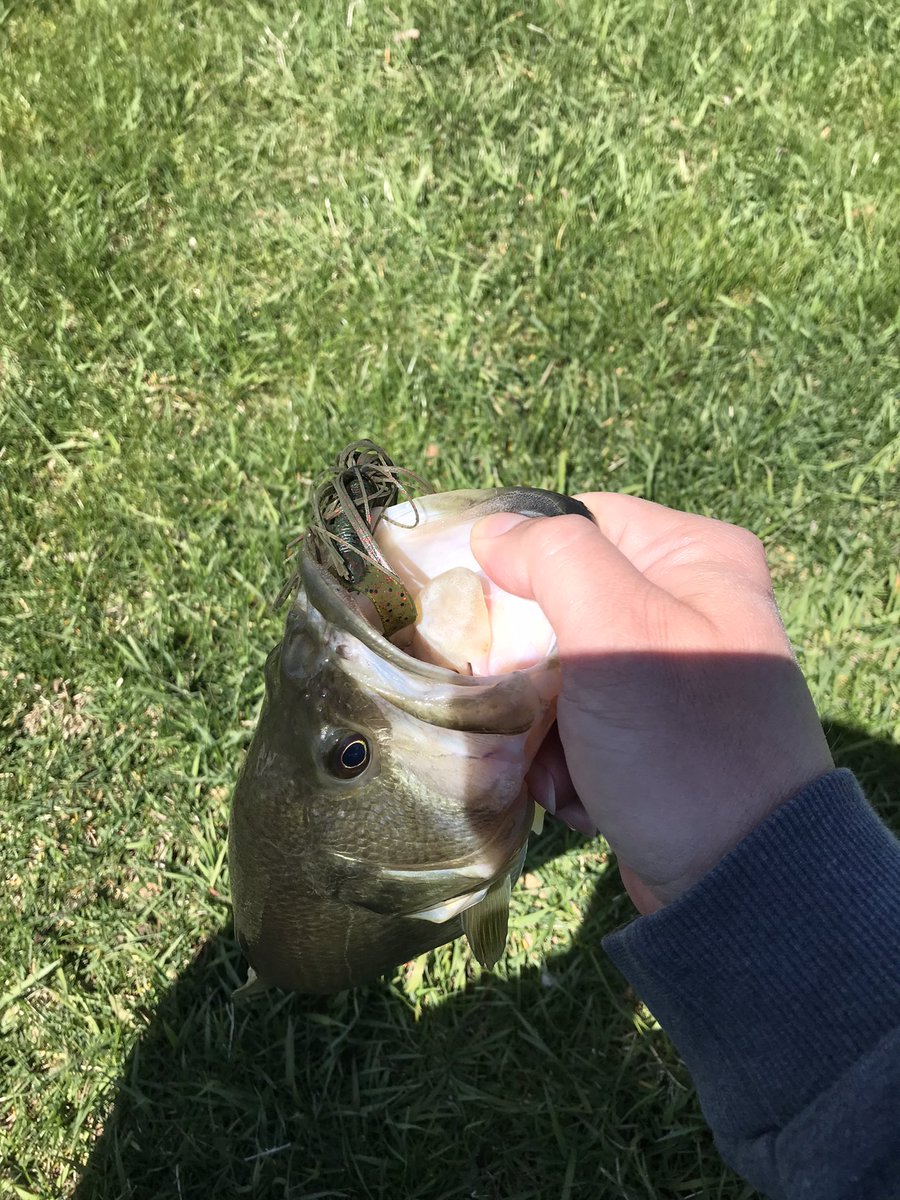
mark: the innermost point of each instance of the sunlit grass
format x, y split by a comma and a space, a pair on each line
641, 246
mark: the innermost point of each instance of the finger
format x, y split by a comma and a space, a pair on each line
550, 785
548, 777
647, 534
577, 818
585, 585
628, 521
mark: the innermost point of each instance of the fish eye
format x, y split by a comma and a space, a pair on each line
350, 756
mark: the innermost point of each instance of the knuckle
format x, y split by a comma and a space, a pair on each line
561, 537
751, 542
751, 550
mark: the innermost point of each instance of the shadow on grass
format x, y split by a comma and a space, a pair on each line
536, 1086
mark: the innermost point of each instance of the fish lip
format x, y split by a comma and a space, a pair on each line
326, 595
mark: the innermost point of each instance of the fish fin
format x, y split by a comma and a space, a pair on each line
485, 924
537, 824
450, 908
253, 986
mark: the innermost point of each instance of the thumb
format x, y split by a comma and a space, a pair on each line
586, 587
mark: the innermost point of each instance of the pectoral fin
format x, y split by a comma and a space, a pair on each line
450, 908
485, 924
252, 987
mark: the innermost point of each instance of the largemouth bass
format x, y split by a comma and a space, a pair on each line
382, 808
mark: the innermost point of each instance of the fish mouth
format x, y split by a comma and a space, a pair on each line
401, 579
411, 617
505, 703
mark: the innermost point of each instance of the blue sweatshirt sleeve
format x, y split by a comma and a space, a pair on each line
777, 976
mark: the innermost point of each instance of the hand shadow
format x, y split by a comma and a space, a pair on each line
548, 1083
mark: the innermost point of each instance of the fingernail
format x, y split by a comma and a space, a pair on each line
497, 524
576, 818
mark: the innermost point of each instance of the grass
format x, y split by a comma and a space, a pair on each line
646, 246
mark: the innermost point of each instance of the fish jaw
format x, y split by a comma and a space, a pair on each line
506, 703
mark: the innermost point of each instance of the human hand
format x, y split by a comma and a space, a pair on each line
684, 719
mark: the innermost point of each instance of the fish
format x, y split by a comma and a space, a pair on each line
382, 808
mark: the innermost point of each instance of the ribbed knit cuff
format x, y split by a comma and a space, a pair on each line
781, 967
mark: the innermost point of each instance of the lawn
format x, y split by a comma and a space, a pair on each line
638, 245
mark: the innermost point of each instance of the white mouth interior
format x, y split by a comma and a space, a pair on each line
464, 621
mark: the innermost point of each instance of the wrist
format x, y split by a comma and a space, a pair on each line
650, 894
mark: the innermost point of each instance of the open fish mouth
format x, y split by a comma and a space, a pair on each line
382, 808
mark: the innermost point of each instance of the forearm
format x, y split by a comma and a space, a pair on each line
778, 978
